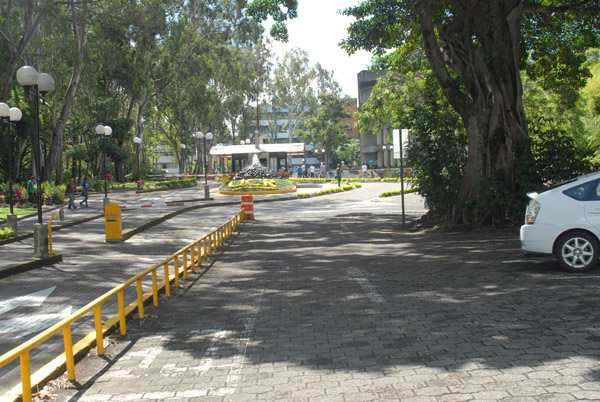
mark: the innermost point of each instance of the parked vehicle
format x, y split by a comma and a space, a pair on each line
565, 221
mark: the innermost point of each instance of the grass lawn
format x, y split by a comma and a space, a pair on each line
5, 210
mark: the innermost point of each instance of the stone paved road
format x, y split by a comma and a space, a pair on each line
352, 307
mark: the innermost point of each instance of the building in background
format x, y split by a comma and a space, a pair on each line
273, 128
375, 150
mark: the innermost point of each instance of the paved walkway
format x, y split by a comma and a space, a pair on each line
18, 256
350, 307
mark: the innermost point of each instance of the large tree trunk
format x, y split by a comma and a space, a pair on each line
80, 29
478, 71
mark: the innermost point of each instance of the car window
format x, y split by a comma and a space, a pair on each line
583, 191
595, 194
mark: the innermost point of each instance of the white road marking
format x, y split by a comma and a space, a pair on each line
32, 323
33, 299
360, 276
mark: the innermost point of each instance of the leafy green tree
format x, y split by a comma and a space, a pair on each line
325, 129
591, 105
437, 147
557, 155
292, 88
349, 152
476, 51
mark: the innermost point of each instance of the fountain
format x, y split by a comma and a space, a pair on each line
255, 171
256, 179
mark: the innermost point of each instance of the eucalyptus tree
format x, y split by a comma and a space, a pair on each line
215, 52
292, 88
50, 35
19, 26
66, 59
325, 81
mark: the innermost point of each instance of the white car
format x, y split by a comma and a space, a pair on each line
565, 221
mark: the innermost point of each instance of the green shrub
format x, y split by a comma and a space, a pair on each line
53, 194
168, 184
6, 233
392, 193
346, 187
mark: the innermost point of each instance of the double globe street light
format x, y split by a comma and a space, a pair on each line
208, 136
9, 116
36, 86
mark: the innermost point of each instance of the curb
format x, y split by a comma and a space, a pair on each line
33, 263
28, 265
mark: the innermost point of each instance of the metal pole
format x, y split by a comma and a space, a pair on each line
104, 151
206, 189
402, 183
10, 170
37, 152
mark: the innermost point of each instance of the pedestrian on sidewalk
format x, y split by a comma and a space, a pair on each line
85, 191
338, 174
31, 190
71, 189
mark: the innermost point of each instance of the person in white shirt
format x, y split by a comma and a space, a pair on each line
363, 170
312, 171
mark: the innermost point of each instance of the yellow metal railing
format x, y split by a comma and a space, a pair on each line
198, 251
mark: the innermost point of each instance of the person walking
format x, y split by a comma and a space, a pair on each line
71, 189
31, 190
312, 171
322, 168
363, 170
85, 191
338, 174
299, 171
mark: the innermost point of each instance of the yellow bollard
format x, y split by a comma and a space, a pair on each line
176, 265
98, 325
185, 267
193, 257
167, 281
50, 251
121, 302
140, 299
205, 248
69, 353
154, 289
26, 376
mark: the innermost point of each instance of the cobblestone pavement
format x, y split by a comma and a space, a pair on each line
351, 307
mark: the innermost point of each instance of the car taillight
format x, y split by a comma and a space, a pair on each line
532, 210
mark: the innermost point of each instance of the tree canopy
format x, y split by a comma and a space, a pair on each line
476, 50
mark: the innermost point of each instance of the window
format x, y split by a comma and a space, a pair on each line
581, 191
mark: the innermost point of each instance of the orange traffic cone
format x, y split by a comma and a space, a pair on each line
248, 206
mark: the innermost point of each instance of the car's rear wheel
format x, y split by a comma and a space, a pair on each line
577, 251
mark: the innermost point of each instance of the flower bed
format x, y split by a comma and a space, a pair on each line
257, 186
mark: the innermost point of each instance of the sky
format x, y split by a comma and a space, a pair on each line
318, 30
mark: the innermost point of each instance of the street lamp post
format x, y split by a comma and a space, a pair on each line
198, 135
183, 147
104, 131
9, 115
35, 84
138, 142
204, 137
